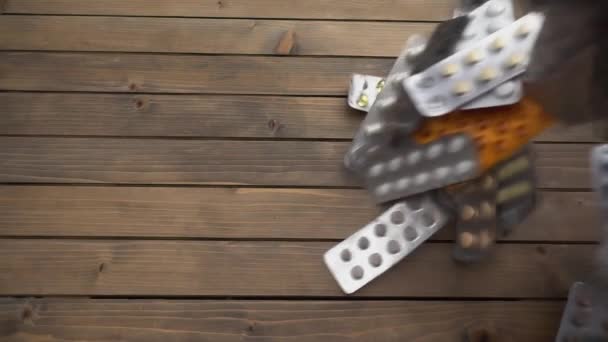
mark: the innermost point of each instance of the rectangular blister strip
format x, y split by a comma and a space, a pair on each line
400, 172
363, 91
474, 71
384, 242
507, 93
392, 108
392, 114
474, 205
585, 317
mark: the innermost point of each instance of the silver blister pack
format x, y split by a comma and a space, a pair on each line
392, 109
412, 169
507, 93
585, 315
485, 20
382, 243
474, 71
363, 91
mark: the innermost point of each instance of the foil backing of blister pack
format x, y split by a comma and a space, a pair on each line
585, 315
385, 241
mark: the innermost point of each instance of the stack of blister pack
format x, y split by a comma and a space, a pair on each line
445, 140
585, 317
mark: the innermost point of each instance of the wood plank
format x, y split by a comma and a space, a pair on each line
212, 36
197, 116
315, 9
109, 72
161, 161
244, 213
215, 268
300, 321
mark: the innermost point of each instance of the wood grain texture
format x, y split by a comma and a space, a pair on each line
215, 268
212, 36
245, 213
197, 116
226, 321
109, 72
312, 9
161, 161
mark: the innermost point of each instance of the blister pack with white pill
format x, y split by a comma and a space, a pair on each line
382, 243
485, 20
363, 91
475, 70
412, 169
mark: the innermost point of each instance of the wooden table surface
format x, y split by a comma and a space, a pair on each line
171, 171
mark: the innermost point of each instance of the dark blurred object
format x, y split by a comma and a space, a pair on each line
469, 5
569, 71
442, 43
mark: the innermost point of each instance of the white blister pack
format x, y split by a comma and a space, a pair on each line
476, 70
485, 20
382, 243
363, 91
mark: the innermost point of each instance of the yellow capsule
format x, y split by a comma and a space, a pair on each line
468, 212
514, 191
518, 165
363, 101
449, 70
498, 44
474, 57
462, 88
380, 85
515, 60
487, 74
466, 239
